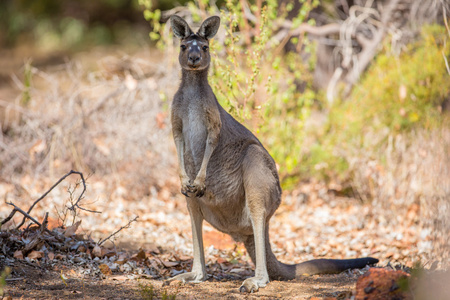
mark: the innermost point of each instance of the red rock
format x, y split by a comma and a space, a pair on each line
381, 284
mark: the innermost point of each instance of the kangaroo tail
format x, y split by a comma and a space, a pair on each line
331, 266
281, 271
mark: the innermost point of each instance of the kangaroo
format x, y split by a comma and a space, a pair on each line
228, 177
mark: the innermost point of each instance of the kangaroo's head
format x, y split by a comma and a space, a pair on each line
194, 53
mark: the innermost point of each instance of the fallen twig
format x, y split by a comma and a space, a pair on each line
27, 214
116, 232
14, 279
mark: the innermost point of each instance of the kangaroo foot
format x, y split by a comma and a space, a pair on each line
251, 285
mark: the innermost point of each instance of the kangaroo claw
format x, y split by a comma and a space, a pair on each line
200, 193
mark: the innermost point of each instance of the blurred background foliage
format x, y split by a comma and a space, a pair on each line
293, 85
62, 25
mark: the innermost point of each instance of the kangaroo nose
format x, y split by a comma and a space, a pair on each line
194, 58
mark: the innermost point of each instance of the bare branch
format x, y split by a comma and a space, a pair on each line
117, 231
80, 197
26, 215
371, 47
48, 191
11, 215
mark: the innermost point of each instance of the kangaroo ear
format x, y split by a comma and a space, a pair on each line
179, 26
209, 27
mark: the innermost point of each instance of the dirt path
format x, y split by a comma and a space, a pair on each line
38, 283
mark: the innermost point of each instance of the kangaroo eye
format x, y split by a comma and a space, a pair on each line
183, 47
205, 48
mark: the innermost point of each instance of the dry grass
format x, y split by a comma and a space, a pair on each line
110, 121
410, 174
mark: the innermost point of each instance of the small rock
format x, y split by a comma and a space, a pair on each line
380, 283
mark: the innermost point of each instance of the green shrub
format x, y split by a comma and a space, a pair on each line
3, 275
252, 77
398, 93
147, 292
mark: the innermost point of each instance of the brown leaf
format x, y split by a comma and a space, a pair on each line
220, 260
153, 249
35, 254
18, 254
108, 252
119, 277
60, 256
51, 255
72, 229
153, 263
123, 258
169, 264
185, 257
139, 256
105, 269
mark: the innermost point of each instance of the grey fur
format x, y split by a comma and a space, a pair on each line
229, 179
180, 27
209, 27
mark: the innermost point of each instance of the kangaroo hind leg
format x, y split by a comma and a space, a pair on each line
198, 273
262, 198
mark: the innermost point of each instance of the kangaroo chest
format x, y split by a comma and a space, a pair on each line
195, 134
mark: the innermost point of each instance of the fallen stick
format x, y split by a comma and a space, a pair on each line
117, 231
27, 214
14, 279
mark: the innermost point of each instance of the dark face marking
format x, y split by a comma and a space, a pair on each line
194, 53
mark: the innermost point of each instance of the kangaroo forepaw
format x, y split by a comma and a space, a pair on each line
251, 285
185, 185
193, 191
197, 187
183, 191
200, 193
